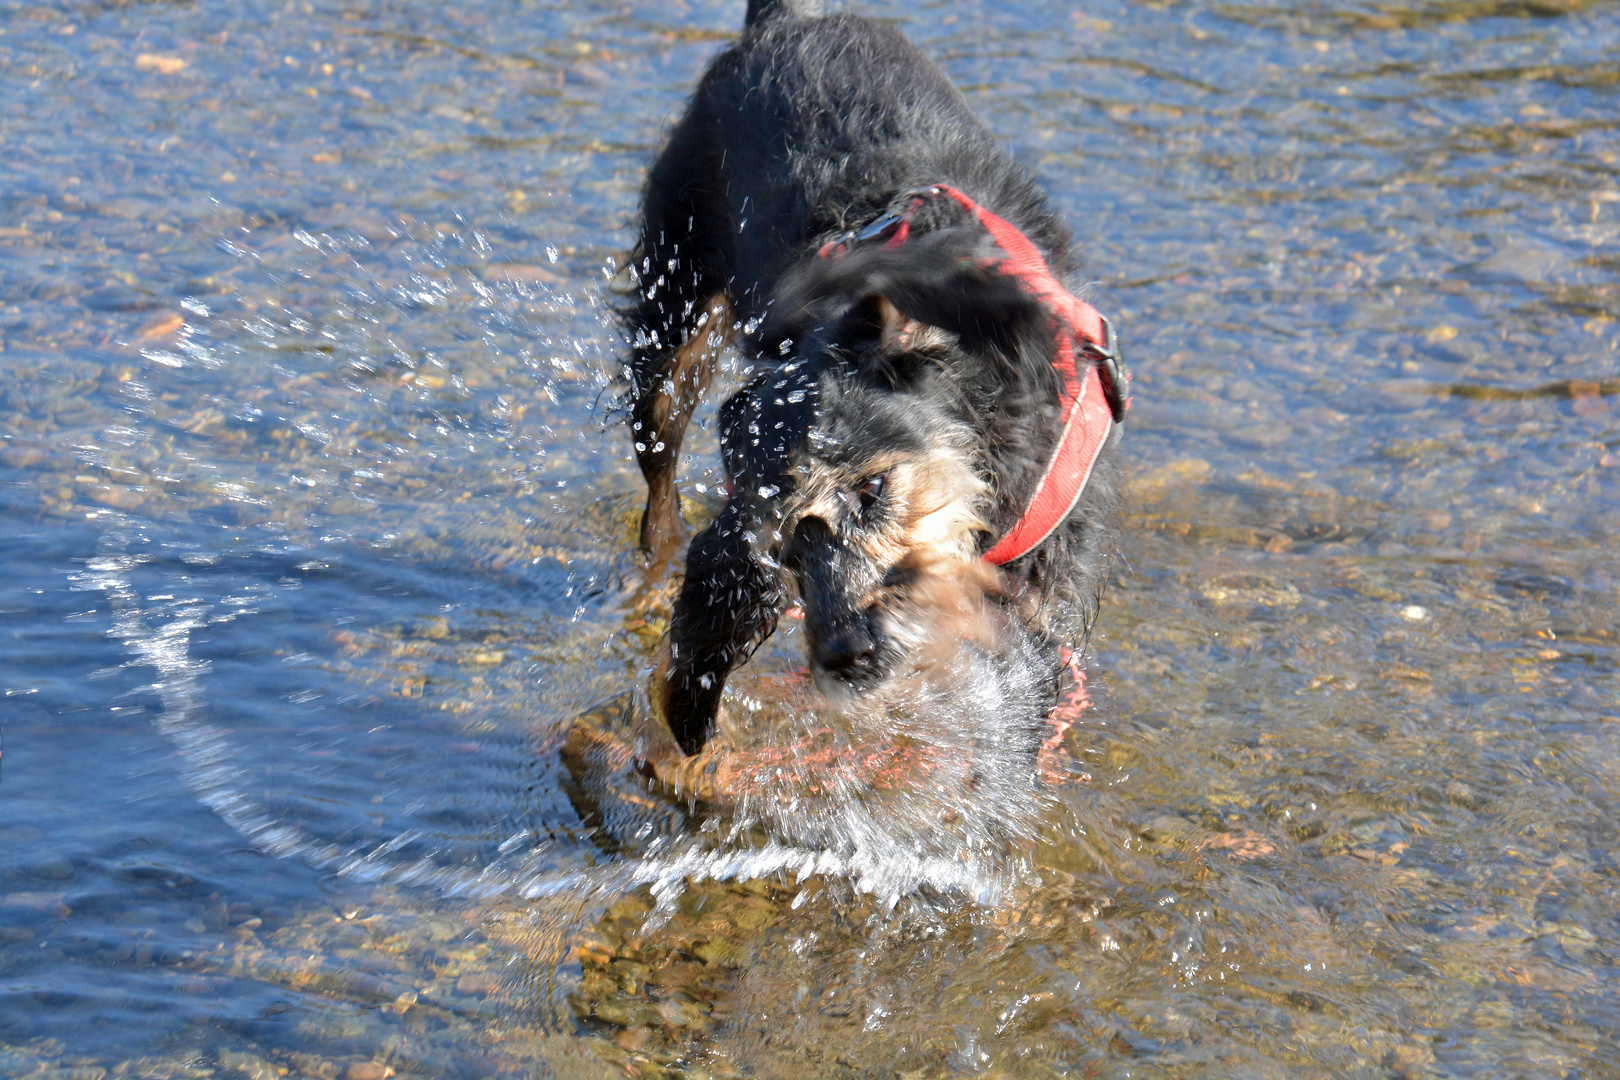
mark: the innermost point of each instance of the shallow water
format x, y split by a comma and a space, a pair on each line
318, 526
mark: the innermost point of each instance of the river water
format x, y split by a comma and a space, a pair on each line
318, 528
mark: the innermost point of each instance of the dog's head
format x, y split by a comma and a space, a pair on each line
922, 379
880, 533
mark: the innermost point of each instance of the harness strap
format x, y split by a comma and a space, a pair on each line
1092, 403
1088, 415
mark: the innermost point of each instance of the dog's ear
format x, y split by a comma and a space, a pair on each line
933, 282
893, 348
893, 304
899, 333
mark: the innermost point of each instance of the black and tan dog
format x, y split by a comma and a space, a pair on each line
927, 447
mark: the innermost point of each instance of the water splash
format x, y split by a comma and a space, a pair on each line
958, 836
953, 809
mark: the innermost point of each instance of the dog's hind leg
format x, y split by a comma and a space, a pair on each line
680, 318
659, 417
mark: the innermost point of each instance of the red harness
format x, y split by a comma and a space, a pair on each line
1091, 403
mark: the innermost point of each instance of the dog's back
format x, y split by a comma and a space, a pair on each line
809, 125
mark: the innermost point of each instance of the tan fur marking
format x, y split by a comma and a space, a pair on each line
902, 333
687, 376
935, 503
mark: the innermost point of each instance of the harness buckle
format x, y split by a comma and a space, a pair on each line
884, 228
1111, 368
879, 229
890, 226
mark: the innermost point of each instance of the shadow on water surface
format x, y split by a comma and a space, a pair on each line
320, 709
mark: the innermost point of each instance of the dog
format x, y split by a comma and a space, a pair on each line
927, 447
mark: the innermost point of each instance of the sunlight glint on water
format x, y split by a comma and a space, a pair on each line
318, 525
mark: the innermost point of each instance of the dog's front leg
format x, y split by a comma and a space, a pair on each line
728, 604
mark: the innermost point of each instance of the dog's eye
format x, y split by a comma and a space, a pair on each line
870, 492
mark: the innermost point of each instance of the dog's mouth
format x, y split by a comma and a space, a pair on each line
845, 686
852, 657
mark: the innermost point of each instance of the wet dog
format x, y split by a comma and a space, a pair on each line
926, 452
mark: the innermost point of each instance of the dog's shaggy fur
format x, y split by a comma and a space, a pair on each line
903, 400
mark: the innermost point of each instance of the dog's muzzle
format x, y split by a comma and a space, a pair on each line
833, 579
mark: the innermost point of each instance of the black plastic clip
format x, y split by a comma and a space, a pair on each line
881, 228
1111, 369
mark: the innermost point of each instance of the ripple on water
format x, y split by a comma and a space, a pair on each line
307, 458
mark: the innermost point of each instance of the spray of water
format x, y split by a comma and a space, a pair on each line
929, 787
934, 792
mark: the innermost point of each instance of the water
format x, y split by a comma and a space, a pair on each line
318, 526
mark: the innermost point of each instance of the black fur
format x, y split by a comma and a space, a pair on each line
801, 130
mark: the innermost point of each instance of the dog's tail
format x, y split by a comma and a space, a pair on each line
760, 10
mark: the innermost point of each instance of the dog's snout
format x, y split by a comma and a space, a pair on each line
811, 533
848, 649
832, 579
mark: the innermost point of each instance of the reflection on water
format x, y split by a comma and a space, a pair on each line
318, 705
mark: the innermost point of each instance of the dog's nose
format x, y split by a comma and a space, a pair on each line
850, 647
